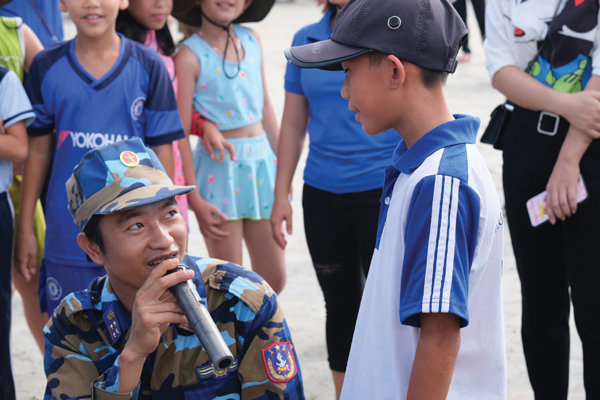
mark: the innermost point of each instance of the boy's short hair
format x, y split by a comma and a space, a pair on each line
427, 33
429, 77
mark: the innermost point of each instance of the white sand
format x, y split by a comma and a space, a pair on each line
468, 92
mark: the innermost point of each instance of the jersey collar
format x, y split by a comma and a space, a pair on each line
110, 75
462, 130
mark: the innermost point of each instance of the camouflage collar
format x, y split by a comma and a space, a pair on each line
118, 321
115, 317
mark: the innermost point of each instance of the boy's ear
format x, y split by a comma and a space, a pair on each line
123, 4
397, 72
63, 6
91, 248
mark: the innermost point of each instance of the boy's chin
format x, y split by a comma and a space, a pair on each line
372, 131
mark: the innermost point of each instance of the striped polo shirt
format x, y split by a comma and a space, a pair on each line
439, 250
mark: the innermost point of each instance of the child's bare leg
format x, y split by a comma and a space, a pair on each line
229, 248
338, 382
268, 259
36, 320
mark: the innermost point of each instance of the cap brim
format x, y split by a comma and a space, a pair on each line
143, 196
326, 54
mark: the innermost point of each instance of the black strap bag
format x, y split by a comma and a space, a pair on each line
498, 125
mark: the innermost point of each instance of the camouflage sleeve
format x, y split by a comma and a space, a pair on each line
70, 372
269, 368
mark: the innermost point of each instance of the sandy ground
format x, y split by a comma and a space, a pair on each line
469, 92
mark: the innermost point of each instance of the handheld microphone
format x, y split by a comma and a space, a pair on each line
200, 321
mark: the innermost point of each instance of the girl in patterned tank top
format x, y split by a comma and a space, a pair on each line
221, 76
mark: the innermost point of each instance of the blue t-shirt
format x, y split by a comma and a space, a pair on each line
14, 107
49, 9
133, 99
342, 158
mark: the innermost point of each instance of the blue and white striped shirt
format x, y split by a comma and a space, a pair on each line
439, 250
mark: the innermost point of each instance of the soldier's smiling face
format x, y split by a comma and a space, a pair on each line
137, 240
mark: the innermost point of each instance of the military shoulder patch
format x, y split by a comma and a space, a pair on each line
280, 362
112, 325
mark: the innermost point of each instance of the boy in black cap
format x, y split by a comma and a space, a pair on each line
431, 323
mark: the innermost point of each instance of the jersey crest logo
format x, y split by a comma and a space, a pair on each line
129, 159
137, 107
54, 289
280, 362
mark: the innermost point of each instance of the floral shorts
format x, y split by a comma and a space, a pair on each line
242, 188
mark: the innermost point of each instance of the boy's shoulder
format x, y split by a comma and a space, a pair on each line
49, 55
9, 84
3, 72
444, 150
45, 60
234, 280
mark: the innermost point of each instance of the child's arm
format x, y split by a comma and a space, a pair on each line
293, 132
211, 135
209, 217
441, 236
213, 138
437, 351
32, 46
269, 119
164, 152
13, 143
36, 166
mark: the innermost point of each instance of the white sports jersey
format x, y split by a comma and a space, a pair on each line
439, 248
14, 107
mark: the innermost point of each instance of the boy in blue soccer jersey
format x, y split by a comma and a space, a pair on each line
94, 90
430, 325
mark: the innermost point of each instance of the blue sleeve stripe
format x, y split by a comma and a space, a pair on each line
431, 246
441, 246
451, 251
40, 131
8, 120
3, 71
164, 139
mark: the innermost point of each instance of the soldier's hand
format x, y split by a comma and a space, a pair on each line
155, 308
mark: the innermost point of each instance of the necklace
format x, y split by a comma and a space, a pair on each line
236, 42
237, 47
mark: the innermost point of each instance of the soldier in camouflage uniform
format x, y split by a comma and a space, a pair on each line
126, 337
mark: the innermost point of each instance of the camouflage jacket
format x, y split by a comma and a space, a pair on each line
89, 329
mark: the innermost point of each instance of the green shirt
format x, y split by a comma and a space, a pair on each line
12, 45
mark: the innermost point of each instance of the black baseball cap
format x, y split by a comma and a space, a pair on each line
427, 33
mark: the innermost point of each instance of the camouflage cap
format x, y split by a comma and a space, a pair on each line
117, 177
